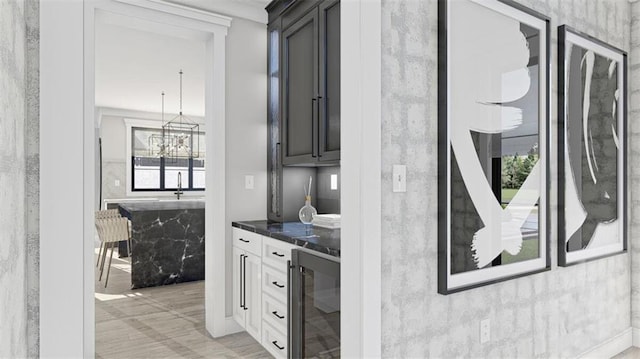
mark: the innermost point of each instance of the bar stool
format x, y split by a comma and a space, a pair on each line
111, 231
107, 213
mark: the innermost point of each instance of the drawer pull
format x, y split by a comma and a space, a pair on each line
244, 240
278, 285
275, 342
277, 254
275, 312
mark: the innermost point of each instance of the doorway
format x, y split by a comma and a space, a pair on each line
210, 32
66, 48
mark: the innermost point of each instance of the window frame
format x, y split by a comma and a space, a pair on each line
130, 126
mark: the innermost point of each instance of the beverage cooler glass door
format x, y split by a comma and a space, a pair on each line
314, 330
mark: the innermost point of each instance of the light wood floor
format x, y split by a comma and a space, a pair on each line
159, 322
631, 353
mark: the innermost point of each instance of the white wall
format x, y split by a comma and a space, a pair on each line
246, 106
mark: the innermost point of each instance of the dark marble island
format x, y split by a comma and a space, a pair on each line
315, 238
167, 242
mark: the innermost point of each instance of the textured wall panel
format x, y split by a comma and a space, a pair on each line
634, 170
563, 312
112, 171
32, 186
13, 251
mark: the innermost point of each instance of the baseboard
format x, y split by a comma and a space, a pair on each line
636, 337
613, 346
231, 326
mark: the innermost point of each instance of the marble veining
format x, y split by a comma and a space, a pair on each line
315, 238
167, 245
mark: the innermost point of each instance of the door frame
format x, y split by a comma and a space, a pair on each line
361, 158
67, 57
66, 286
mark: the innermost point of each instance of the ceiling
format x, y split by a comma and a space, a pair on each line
136, 59
136, 62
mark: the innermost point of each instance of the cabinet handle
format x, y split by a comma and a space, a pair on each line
244, 283
319, 124
277, 254
275, 312
278, 165
275, 342
241, 280
313, 127
277, 285
244, 240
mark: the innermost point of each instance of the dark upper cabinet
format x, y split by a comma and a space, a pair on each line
300, 90
329, 75
274, 165
310, 94
303, 106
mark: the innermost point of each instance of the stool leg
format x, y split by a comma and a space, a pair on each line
99, 253
104, 259
109, 267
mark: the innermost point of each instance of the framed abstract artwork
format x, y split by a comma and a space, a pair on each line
493, 143
592, 140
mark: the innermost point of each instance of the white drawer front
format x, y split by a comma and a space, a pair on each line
276, 253
248, 241
274, 342
275, 283
275, 313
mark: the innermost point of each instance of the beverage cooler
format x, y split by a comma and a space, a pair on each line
314, 305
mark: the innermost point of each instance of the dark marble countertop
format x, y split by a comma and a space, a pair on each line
161, 205
316, 238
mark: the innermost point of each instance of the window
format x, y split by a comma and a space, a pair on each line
151, 172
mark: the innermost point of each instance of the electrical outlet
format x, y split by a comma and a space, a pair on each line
485, 331
248, 182
117, 183
399, 178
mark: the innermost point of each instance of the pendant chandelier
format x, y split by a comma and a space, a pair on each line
157, 141
180, 137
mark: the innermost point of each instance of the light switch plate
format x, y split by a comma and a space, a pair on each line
248, 182
399, 178
117, 183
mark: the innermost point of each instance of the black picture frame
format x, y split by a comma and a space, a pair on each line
446, 284
569, 37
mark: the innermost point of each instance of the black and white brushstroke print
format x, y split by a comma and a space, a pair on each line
593, 94
493, 142
591, 135
494, 118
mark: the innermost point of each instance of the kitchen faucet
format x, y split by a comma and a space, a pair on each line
179, 191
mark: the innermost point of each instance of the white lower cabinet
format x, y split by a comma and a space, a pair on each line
275, 299
247, 290
274, 341
260, 289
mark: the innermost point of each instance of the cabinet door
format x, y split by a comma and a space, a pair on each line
253, 321
238, 291
300, 90
329, 101
274, 159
